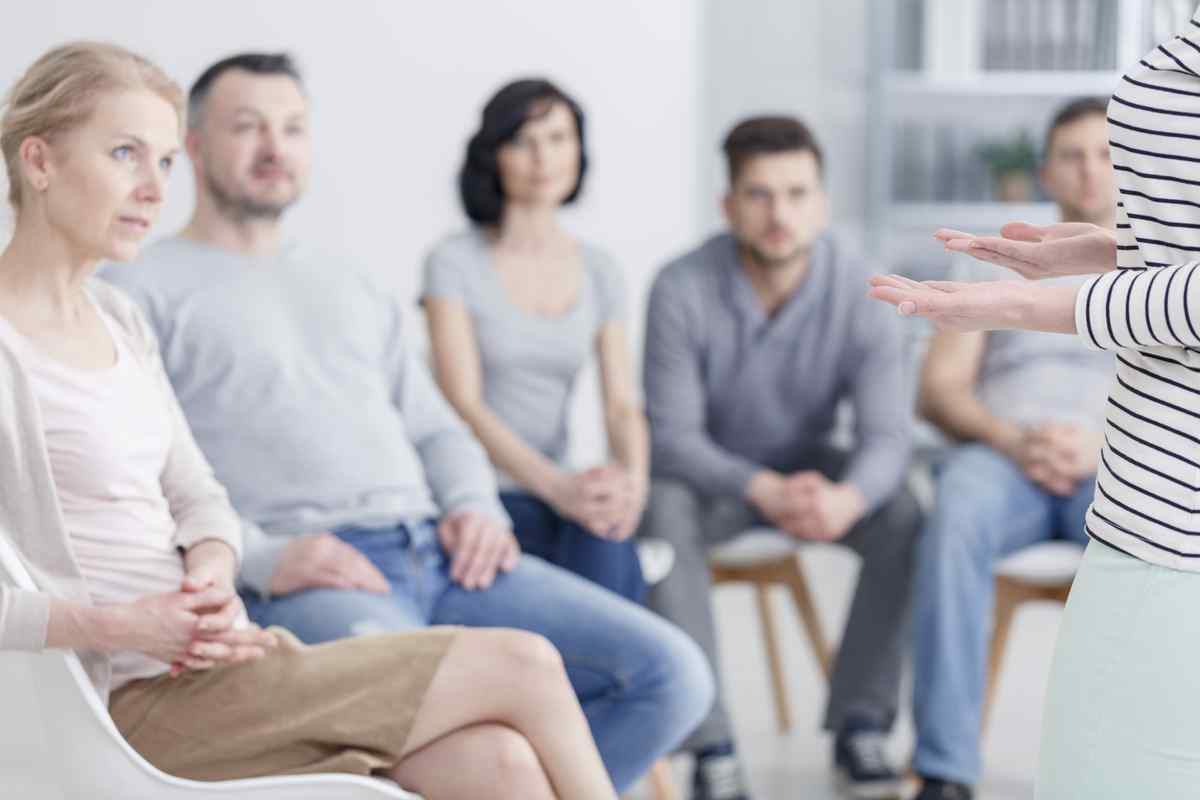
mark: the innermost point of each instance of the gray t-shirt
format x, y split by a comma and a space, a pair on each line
529, 362
304, 394
1030, 377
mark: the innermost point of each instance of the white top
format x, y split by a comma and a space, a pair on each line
1148, 486
108, 433
31, 518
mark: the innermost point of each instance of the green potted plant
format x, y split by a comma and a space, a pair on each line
1012, 163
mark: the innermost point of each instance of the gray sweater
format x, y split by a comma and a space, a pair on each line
305, 394
31, 520
730, 391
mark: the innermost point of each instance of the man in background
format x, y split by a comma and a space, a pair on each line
369, 505
753, 340
1027, 411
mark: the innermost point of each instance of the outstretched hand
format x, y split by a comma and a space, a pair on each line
983, 306
954, 305
1040, 251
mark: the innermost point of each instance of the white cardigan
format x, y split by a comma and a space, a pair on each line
30, 515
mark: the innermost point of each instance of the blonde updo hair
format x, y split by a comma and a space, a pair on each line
60, 91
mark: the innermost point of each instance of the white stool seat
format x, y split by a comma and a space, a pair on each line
754, 546
1042, 564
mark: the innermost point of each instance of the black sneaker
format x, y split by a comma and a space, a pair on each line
938, 789
862, 767
718, 775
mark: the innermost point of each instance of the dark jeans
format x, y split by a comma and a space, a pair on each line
543, 533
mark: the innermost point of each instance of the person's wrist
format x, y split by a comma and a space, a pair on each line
558, 489
1006, 438
214, 559
639, 479
762, 488
1048, 308
854, 501
106, 629
1024, 309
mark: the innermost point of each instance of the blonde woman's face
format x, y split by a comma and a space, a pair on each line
106, 179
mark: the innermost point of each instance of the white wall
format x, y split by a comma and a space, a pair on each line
397, 88
803, 57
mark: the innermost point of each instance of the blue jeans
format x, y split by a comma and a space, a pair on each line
985, 509
563, 543
643, 684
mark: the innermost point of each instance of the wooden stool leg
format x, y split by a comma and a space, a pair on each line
662, 782
1009, 595
808, 614
783, 712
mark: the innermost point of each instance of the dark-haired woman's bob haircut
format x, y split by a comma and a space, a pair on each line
510, 108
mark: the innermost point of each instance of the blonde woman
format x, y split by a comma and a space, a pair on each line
134, 546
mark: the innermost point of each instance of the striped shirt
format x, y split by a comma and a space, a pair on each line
1147, 500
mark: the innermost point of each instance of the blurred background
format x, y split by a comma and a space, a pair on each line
931, 113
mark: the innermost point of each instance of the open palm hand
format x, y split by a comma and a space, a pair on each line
1040, 251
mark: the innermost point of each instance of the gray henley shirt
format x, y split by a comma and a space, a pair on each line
731, 391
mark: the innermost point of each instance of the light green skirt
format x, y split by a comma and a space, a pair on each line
1122, 717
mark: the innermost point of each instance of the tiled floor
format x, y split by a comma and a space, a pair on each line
796, 766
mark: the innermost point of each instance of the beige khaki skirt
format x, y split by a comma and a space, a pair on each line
344, 706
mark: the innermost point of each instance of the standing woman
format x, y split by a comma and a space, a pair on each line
1123, 704
516, 306
132, 544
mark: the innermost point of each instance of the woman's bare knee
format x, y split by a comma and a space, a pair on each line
513, 657
531, 653
486, 760
493, 675
514, 766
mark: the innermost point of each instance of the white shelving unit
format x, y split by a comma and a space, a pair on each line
988, 85
950, 94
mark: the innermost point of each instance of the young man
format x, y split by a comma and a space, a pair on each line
370, 507
1028, 410
753, 339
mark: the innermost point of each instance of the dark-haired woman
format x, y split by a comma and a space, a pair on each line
516, 306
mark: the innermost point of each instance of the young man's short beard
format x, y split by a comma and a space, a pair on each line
767, 262
1098, 217
243, 209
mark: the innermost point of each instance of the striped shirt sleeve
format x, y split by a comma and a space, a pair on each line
1135, 308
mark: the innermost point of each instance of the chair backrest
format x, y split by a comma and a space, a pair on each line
70, 748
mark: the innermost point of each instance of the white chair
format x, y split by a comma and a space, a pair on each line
1043, 571
67, 747
764, 557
